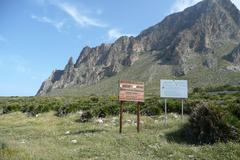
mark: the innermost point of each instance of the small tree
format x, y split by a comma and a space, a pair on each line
206, 126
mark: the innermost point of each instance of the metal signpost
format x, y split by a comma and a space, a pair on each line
131, 92
173, 89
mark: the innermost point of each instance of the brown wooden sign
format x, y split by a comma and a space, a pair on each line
131, 91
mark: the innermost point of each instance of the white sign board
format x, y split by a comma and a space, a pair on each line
174, 88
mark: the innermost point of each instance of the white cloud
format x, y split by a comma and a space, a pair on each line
78, 17
180, 5
116, 33
57, 24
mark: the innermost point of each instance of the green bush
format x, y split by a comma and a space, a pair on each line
174, 106
102, 114
198, 90
35, 108
105, 109
29, 109
130, 107
10, 107
85, 117
235, 109
63, 110
207, 126
152, 107
151, 111
232, 120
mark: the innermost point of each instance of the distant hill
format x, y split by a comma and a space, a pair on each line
201, 44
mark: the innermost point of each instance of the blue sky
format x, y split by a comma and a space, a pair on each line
38, 36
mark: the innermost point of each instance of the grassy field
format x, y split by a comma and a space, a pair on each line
48, 137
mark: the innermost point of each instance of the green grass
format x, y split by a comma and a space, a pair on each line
44, 138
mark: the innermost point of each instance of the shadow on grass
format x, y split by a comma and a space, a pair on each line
179, 136
88, 131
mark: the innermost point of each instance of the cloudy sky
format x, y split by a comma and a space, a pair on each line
38, 36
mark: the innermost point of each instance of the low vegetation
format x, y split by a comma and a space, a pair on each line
211, 122
207, 126
50, 137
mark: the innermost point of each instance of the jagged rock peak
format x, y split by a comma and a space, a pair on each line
70, 61
87, 52
70, 64
231, 8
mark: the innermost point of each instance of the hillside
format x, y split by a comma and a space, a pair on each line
199, 44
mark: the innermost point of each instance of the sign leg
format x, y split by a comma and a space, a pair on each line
138, 117
121, 115
165, 123
182, 108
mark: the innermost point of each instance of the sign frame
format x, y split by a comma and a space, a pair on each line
130, 91
182, 96
174, 85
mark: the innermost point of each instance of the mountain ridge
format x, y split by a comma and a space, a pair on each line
183, 41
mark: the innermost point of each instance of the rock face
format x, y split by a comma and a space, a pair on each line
94, 64
234, 56
180, 40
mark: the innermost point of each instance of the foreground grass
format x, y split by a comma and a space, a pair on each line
46, 137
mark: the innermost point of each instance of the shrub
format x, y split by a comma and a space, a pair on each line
151, 111
105, 108
63, 110
2, 145
10, 107
29, 109
102, 114
235, 109
86, 116
174, 106
206, 126
130, 107
94, 99
198, 90
232, 119
113, 108
152, 107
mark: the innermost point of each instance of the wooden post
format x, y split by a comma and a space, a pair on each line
121, 115
138, 117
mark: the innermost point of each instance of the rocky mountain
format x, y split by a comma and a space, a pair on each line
200, 39
234, 56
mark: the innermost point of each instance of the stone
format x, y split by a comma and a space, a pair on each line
100, 121
74, 141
